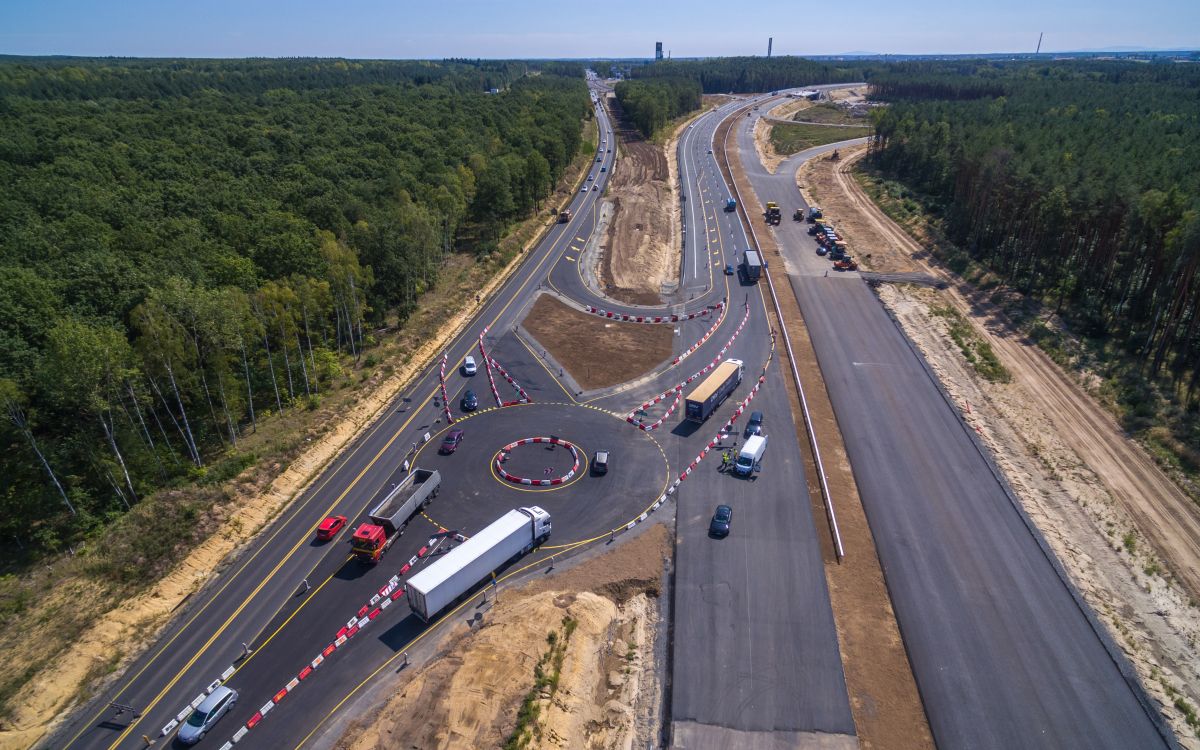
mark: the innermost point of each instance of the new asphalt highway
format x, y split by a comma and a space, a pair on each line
1004, 651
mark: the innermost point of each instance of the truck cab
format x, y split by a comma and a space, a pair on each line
541, 523
369, 542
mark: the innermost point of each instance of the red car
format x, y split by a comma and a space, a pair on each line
451, 442
330, 527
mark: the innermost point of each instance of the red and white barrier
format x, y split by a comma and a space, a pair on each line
442, 385
489, 363
627, 318
496, 461
677, 390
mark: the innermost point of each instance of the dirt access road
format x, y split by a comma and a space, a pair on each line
640, 250
1085, 485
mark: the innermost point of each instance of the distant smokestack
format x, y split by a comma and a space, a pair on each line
1039, 47
770, 42
658, 50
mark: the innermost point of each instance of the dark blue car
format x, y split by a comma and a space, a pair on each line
719, 525
470, 402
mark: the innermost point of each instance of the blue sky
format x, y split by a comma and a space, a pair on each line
567, 28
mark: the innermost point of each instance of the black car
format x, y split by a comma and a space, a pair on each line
600, 463
719, 525
754, 426
470, 402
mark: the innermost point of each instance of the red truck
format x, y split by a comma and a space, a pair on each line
389, 517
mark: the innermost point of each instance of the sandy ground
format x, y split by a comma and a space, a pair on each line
597, 352
883, 694
641, 251
1111, 516
608, 694
110, 643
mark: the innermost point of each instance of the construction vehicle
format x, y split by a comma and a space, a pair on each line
835, 155
798, 214
846, 264
564, 216
713, 391
389, 517
814, 213
752, 265
459, 570
773, 214
730, 204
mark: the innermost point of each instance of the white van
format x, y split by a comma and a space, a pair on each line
751, 455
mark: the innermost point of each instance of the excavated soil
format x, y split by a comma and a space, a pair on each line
884, 701
639, 251
608, 693
597, 352
1129, 539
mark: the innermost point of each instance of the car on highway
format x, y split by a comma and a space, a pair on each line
599, 158
330, 527
470, 402
583, 189
591, 177
208, 713
610, 150
600, 463
754, 426
710, 151
451, 442
728, 269
469, 367
721, 520
603, 169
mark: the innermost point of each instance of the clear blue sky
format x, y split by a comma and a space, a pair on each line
566, 28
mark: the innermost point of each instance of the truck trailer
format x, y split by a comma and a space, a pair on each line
460, 569
390, 515
710, 394
752, 265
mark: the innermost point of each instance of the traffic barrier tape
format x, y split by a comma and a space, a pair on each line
352, 631
280, 695
305, 672
362, 611
333, 646
374, 613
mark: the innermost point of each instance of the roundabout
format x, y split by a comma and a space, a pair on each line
537, 454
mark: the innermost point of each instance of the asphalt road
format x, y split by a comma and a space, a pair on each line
1005, 654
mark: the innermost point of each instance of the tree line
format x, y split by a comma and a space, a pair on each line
188, 246
754, 74
1079, 184
649, 105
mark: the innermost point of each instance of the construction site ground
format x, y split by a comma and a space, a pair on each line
597, 352
603, 691
1128, 537
640, 250
883, 694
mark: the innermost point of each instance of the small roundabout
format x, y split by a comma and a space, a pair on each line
540, 454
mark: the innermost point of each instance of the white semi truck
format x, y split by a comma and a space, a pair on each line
456, 572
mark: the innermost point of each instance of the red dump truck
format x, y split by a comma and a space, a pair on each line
390, 515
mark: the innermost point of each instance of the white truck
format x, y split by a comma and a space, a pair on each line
456, 572
750, 455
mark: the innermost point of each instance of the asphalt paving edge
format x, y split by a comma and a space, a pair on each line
1110, 646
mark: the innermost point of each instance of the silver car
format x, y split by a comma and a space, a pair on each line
208, 713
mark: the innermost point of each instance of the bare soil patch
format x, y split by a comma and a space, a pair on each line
482, 684
640, 251
883, 693
77, 635
1129, 538
597, 352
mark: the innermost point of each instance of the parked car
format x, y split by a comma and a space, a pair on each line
821, 249
721, 520
330, 527
208, 713
451, 442
754, 425
728, 269
470, 402
469, 367
600, 463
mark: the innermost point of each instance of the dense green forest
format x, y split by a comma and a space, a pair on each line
186, 246
754, 74
650, 105
1077, 183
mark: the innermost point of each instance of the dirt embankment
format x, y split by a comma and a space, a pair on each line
640, 250
596, 351
592, 684
1127, 537
884, 701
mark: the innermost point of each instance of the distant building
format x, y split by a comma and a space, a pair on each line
658, 50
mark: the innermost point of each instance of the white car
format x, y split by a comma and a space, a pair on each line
469, 367
208, 713
583, 189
